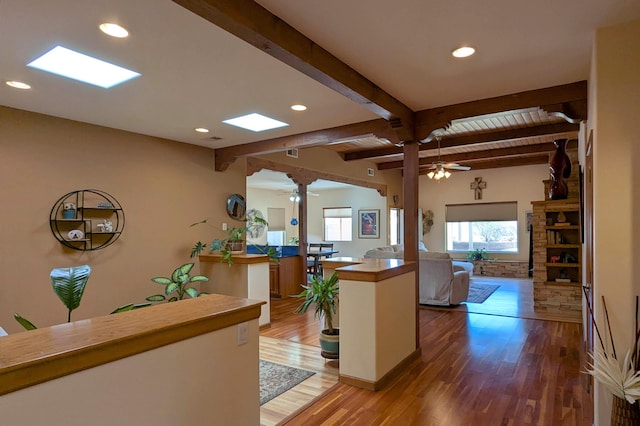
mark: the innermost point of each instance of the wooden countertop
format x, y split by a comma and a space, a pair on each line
37, 356
370, 270
240, 259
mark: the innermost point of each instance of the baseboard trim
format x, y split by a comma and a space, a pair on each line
384, 380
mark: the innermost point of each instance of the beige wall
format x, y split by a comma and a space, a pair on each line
522, 184
615, 88
163, 187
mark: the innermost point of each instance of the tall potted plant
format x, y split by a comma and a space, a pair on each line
323, 295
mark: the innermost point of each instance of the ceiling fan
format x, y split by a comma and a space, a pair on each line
440, 169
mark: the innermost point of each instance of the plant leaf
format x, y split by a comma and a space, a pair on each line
173, 299
192, 292
156, 298
622, 380
197, 249
198, 278
28, 325
198, 223
161, 280
130, 307
171, 288
69, 284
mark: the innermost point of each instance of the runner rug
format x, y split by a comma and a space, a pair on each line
276, 379
478, 293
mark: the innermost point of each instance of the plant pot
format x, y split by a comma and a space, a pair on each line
330, 344
235, 247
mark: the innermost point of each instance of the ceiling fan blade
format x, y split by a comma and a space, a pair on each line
456, 167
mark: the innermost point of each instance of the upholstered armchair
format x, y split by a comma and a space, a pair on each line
439, 284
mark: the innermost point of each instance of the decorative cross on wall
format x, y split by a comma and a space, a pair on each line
478, 185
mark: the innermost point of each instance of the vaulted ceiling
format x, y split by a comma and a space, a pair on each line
374, 74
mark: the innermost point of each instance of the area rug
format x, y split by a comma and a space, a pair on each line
276, 379
478, 293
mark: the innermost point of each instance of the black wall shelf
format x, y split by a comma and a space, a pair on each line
93, 211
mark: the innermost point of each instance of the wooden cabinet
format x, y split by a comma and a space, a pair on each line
557, 257
285, 276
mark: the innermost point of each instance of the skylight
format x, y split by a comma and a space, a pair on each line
255, 122
68, 63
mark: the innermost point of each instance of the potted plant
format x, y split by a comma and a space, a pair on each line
177, 286
323, 294
477, 254
232, 244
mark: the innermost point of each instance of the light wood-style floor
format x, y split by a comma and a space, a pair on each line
477, 367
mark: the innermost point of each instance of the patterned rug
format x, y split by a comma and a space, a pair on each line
478, 293
276, 379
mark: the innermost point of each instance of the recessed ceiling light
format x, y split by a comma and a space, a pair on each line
78, 66
114, 30
201, 130
298, 107
255, 122
463, 52
18, 84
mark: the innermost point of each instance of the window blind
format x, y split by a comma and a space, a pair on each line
275, 218
337, 212
481, 212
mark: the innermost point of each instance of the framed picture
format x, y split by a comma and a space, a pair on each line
368, 224
529, 220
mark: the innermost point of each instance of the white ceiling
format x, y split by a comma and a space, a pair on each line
195, 74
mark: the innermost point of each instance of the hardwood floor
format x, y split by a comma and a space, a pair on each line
476, 368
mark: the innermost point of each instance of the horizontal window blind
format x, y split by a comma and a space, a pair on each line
481, 212
337, 212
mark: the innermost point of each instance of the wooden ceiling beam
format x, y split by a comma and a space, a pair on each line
251, 22
379, 128
439, 118
468, 158
503, 162
488, 137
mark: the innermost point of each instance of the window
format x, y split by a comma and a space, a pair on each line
395, 226
337, 224
490, 226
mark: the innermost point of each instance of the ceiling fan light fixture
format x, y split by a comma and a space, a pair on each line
463, 52
294, 197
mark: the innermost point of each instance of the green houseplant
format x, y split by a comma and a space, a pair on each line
477, 254
68, 284
322, 293
177, 286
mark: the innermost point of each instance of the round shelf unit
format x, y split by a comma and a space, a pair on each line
87, 219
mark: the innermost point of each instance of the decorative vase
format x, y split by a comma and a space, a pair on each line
624, 413
560, 167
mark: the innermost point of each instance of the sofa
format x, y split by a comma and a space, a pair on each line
441, 282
